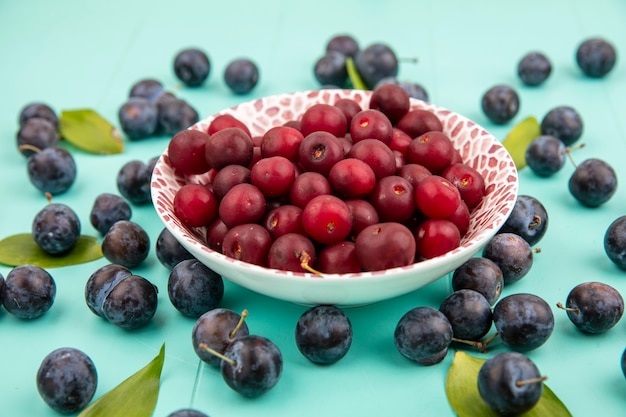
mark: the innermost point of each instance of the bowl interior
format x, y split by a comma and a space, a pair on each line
478, 148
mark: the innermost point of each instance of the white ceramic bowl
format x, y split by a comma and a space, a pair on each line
478, 148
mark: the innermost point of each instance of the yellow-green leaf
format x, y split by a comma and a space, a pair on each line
519, 138
134, 397
465, 400
89, 131
354, 76
21, 249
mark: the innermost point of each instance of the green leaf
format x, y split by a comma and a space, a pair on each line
353, 75
134, 397
89, 131
519, 138
21, 249
465, 400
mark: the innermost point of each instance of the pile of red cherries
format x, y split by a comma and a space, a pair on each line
342, 189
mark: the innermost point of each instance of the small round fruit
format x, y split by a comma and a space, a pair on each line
67, 380
100, 284
192, 66
194, 289
106, 210
479, 274
323, 334
436, 237
534, 69
593, 183
29, 292
594, 307
512, 254
545, 155
195, 205
615, 242
52, 170
56, 228
392, 239
375, 62
523, 321
255, 366
528, 219
126, 243
241, 75
596, 57
564, 123
327, 219
500, 104
510, 383
169, 251
217, 328
423, 333
131, 303
469, 314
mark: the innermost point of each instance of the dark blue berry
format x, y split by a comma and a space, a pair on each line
534, 68
479, 274
469, 314
133, 182
175, 115
2, 286
512, 254
38, 110
422, 334
623, 362
67, 380
29, 291
344, 44
323, 334
510, 383
139, 118
192, 66
194, 289
52, 170
107, 209
147, 88
528, 219
615, 242
217, 328
169, 251
56, 228
330, 69
257, 365
376, 62
523, 321
36, 134
593, 183
126, 243
564, 123
131, 303
545, 155
596, 57
241, 75
100, 284
187, 412
594, 307
500, 104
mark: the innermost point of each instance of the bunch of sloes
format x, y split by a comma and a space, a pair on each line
150, 110
376, 64
50, 167
595, 57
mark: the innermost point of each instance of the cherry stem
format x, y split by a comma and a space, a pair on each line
28, 147
536, 250
305, 258
480, 345
562, 307
522, 382
214, 352
48, 197
244, 314
568, 152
